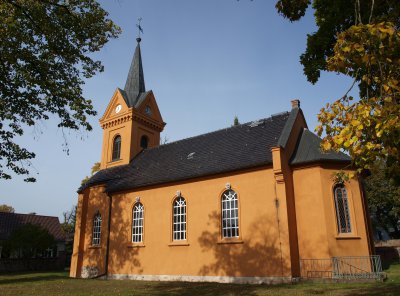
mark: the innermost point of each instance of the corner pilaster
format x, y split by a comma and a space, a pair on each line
79, 235
285, 197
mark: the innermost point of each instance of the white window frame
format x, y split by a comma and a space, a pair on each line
342, 209
96, 234
137, 222
179, 225
229, 214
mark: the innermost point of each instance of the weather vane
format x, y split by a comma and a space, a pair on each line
140, 30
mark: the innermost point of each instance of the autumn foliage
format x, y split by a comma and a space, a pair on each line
361, 40
368, 128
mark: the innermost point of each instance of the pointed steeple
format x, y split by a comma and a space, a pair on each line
134, 85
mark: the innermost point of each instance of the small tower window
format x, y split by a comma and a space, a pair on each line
147, 110
116, 155
144, 142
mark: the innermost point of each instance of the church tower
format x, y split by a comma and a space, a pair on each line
132, 121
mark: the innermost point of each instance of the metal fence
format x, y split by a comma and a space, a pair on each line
355, 267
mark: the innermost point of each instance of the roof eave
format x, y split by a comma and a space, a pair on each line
238, 170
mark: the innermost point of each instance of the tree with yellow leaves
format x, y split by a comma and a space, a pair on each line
360, 39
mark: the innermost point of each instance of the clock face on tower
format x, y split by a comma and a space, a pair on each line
118, 108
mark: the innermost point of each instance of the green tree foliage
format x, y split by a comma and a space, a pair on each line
332, 18
383, 200
46, 48
29, 240
68, 225
6, 208
95, 169
360, 39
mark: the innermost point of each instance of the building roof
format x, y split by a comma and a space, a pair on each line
308, 151
134, 87
239, 147
134, 101
10, 222
284, 138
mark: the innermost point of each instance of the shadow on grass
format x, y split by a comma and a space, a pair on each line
204, 289
384, 289
19, 278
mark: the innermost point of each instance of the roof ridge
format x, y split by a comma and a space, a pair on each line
35, 215
221, 129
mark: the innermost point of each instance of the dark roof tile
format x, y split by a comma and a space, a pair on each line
134, 85
239, 147
308, 150
230, 149
9, 222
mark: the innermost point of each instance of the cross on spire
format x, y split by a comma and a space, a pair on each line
140, 29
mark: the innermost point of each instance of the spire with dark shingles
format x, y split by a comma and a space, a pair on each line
134, 85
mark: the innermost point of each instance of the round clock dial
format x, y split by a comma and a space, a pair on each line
118, 108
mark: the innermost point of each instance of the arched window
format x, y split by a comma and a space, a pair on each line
179, 219
230, 214
144, 142
116, 152
96, 229
342, 209
137, 223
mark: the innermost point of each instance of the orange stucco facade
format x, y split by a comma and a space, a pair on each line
317, 224
131, 124
286, 212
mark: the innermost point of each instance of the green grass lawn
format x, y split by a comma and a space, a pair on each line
58, 283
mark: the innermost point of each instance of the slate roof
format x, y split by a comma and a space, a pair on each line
134, 87
134, 101
11, 221
225, 150
239, 147
308, 151
284, 138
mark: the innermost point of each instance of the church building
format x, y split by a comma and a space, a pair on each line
244, 204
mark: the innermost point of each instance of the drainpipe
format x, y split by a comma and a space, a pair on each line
279, 228
367, 217
109, 230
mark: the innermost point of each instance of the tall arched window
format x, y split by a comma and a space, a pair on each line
230, 214
96, 229
342, 209
144, 142
179, 219
137, 223
116, 152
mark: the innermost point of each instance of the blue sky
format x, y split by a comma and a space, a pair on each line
206, 61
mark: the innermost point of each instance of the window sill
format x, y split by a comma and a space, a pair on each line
115, 161
229, 241
94, 247
138, 245
178, 244
350, 236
